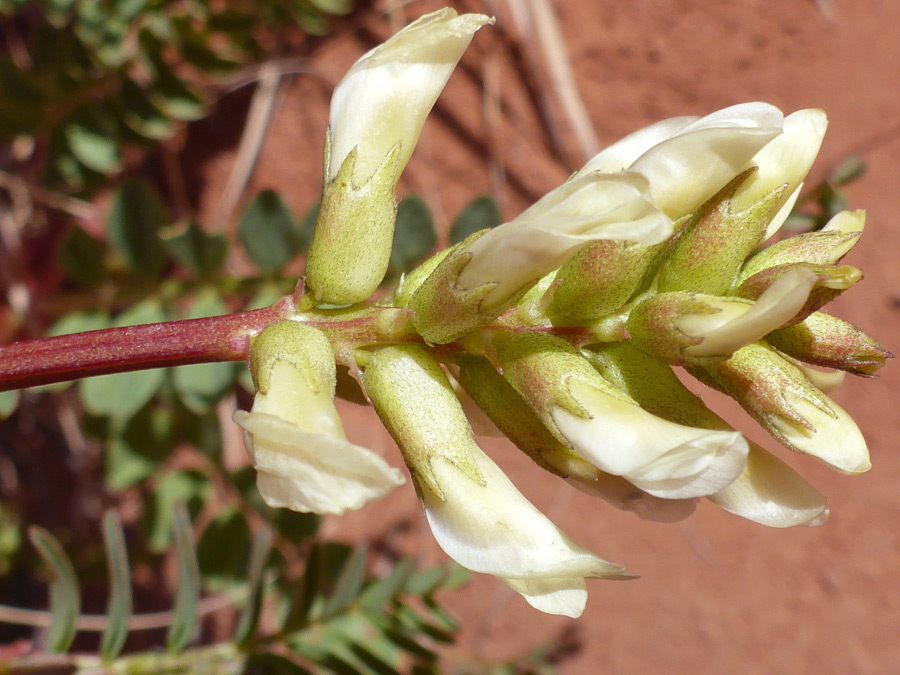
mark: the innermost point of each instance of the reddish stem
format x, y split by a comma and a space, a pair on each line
115, 350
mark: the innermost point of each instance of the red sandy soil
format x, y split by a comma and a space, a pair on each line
716, 594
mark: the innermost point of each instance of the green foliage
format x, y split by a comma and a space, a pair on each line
199, 252
103, 76
135, 219
120, 604
184, 619
65, 600
479, 214
336, 617
268, 232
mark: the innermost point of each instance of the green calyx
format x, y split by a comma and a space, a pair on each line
403, 381
711, 249
354, 233
442, 310
306, 348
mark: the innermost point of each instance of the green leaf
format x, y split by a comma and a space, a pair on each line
386, 589
10, 538
273, 664
308, 226
259, 556
93, 140
123, 394
201, 253
184, 613
174, 97
135, 218
120, 604
65, 600
337, 7
9, 401
81, 257
849, 170
202, 385
139, 449
309, 19
79, 322
268, 232
222, 550
186, 490
482, 212
348, 584
414, 235
141, 115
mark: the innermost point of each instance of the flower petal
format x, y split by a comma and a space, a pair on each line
311, 472
492, 528
662, 458
771, 493
689, 168
384, 98
739, 325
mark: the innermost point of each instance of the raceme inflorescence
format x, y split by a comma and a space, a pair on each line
563, 325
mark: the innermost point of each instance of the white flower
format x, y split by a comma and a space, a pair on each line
294, 435
739, 323
688, 160
662, 458
587, 208
492, 528
771, 493
780, 397
312, 472
385, 97
785, 161
477, 516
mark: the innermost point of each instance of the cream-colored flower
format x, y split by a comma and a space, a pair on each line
585, 209
738, 323
766, 491
294, 435
486, 274
377, 114
383, 100
477, 516
607, 428
780, 397
688, 160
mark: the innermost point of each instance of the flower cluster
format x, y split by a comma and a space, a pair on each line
563, 326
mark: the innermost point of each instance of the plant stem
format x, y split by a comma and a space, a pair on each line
156, 345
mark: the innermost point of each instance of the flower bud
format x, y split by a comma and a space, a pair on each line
682, 328
377, 114
698, 157
600, 279
767, 491
825, 340
778, 396
607, 428
477, 516
825, 247
831, 282
512, 415
293, 433
493, 269
709, 252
